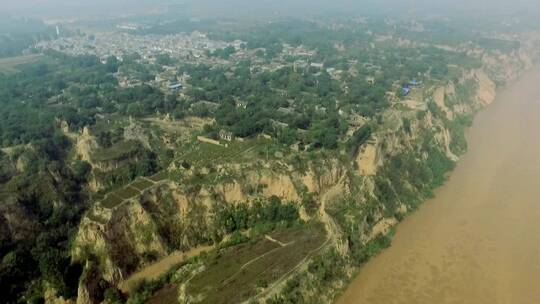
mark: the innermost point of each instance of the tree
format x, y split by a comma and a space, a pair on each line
112, 64
113, 296
164, 59
51, 266
287, 136
81, 170
224, 53
359, 137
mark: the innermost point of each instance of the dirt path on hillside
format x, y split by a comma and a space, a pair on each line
160, 267
332, 232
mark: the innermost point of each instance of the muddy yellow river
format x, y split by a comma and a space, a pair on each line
478, 240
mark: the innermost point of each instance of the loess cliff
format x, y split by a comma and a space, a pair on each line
358, 198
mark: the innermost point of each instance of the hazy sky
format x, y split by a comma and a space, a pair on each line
247, 7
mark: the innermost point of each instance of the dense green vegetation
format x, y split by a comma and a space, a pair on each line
48, 184
307, 91
257, 216
53, 210
274, 100
298, 103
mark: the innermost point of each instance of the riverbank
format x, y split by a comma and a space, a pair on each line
475, 241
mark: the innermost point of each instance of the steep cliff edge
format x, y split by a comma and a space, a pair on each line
358, 199
407, 157
172, 215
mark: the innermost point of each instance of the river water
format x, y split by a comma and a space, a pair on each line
478, 240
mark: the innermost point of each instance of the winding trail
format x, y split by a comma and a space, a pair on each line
332, 232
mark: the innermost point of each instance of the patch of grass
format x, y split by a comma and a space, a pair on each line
119, 151
10, 64
111, 201
163, 175
237, 273
504, 46
167, 294
141, 184
204, 153
109, 123
454, 72
127, 192
200, 153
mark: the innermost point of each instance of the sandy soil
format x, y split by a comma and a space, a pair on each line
162, 266
367, 160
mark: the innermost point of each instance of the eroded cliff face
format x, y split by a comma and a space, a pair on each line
502, 68
430, 132
429, 127
486, 88
120, 239
174, 216
85, 144
180, 216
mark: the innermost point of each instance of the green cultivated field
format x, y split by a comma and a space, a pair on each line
116, 197
111, 201
10, 64
204, 153
161, 176
127, 192
117, 152
141, 184
238, 273
196, 154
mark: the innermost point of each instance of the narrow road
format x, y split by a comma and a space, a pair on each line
332, 233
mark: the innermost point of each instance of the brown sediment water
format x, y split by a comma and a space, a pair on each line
478, 240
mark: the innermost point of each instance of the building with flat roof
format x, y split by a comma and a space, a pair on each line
175, 87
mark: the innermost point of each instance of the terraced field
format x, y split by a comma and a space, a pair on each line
235, 274
141, 184
197, 154
201, 153
111, 201
117, 152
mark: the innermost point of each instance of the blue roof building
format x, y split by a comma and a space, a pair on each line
406, 90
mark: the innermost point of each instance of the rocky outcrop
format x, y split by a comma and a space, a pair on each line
281, 186
486, 88
85, 144
120, 238
367, 160
169, 217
